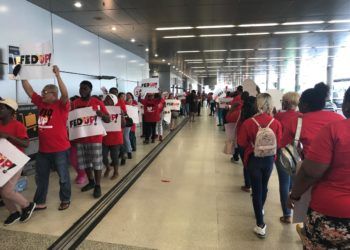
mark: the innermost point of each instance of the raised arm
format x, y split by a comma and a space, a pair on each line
27, 88
63, 89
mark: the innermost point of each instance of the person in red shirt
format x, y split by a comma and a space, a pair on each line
151, 116
16, 133
327, 170
159, 125
53, 140
126, 148
130, 100
290, 103
259, 168
90, 148
112, 142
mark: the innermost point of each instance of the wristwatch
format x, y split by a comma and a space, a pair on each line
293, 198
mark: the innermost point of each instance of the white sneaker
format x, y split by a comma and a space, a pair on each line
260, 232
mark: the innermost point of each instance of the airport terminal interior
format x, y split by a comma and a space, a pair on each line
204, 91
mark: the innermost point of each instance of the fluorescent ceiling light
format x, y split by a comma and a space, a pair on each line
291, 32
175, 28
187, 51
121, 56
303, 23
155, 55
108, 51
257, 58
133, 61
242, 49
215, 35
215, 26
213, 67
329, 47
258, 25
78, 4
231, 66
198, 67
169, 64
329, 31
295, 48
215, 50
281, 57
275, 60
262, 49
181, 36
193, 60
56, 30
3, 8
340, 21
253, 34
214, 59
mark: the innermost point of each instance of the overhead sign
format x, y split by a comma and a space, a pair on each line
115, 119
84, 122
173, 104
12, 160
150, 85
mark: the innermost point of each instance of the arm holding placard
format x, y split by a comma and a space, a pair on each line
63, 89
24, 143
28, 88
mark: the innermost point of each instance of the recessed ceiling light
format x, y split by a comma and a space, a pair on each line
253, 34
303, 23
156, 55
114, 28
132, 40
147, 49
257, 58
215, 26
258, 25
56, 30
242, 49
215, 35
215, 50
187, 51
330, 31
193, 60
173, 67
108, 51
169, 64
3, 8
340, 21
78, 4
175, 28
262, 49
182, 36
163, 60
85, 42
291, 32
295, 48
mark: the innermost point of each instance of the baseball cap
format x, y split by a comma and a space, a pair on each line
10, 102
113, 97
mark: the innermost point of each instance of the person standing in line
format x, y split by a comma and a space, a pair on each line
131, 101
174, 114
259, 168
90, 148
192, 102
159, 125
326, 168
16, 133
199, 100
53, 140
151, 116
290, 102
126, 149
187, 106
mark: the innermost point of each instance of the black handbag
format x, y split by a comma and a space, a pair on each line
128, 122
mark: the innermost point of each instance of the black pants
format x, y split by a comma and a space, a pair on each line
114, 152
133, 140
150, 130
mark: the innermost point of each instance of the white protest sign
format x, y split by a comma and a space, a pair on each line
116, 121
167, 115
225, 102
84, 122
36, 61
250, 86
173, 104
133, 113
12, 160
137, 91
276, 96
150, 85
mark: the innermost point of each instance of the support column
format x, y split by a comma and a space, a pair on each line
267, 77
297, 79
330, 77
278, 86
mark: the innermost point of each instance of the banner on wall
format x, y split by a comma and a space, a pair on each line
84, 122
167, 114
224, 102
36, 61
173, 104
12, 160
116, 122
133, 113
150, 85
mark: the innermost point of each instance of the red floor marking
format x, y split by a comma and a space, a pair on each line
165, 180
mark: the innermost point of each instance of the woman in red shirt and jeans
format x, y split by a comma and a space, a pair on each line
327, 169
259, 168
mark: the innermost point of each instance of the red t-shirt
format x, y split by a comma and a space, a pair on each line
151, 110
52, 124
16, 129
96, 104
312, 124
285, 117
248, 131
234, 116
331, 195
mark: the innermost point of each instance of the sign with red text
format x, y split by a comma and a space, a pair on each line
36, 61
167, 115
133, 113
173, 104
12, 160
115, 124
137, 91
224, 102
84, 122
150, 85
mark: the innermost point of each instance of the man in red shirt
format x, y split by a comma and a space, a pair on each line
53, 140
90, 148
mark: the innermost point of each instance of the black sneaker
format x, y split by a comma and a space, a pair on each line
27, 212
88, 186
13, 218
123, 162
129, 155
97, 192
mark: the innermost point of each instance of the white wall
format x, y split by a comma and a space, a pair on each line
75, 50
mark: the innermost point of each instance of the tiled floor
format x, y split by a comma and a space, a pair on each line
201, 207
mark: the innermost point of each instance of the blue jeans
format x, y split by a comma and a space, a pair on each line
260, 170
127, 143
44, 163
285, 182
133, 140
220, 116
